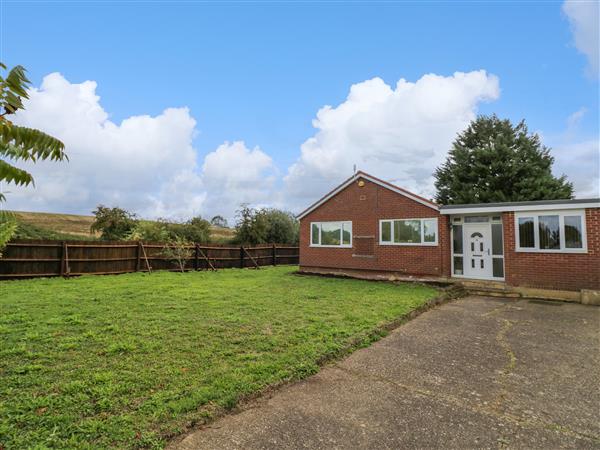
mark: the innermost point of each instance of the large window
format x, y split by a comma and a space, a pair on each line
331, 234
551, 231
408, 232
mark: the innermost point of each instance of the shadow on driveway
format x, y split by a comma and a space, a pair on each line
477, 372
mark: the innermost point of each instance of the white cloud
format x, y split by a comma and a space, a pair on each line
400, 134
580, 161
145, 164
584, 17
577, 157
234, 174
575, 119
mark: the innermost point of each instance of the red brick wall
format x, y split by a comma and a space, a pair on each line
365, 206
566, 271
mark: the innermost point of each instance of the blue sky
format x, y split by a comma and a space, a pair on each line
259, 72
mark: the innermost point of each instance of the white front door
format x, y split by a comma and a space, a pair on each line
478, 251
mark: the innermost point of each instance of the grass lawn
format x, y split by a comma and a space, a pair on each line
127, 361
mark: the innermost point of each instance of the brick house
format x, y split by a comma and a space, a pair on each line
371, 228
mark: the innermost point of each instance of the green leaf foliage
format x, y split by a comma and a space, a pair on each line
8, 227
496, 161
268, 225
21, 143
113, 223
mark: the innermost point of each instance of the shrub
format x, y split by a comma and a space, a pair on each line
113, 223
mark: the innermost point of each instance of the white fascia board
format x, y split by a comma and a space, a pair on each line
508, 208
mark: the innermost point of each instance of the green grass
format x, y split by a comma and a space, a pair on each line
127, 361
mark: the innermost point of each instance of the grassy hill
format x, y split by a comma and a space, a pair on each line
34, 225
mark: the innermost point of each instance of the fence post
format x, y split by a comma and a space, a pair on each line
242, 257
196, 256
274, 255
63, 255
138, 257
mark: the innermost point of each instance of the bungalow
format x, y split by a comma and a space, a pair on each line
370, 228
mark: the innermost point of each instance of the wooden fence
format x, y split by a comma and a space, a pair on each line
37, 258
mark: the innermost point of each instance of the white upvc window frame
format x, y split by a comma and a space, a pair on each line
342, 222
561, 224
419, 244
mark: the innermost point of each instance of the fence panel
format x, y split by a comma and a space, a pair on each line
43, 258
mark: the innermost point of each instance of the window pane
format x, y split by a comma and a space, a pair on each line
346, 233
573, 236
549, 232
386, 231
457, 238
330, 233
429, 230
315, 234
458, 265
497, 248
526, 236
498, 267
407, 231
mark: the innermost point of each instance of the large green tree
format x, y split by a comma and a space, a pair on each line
496, 161
20, 143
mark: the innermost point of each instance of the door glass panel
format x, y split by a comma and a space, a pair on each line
315, 234
457, 239
458, 265
549, 232
497, 247
526, 236
573, 237
498, 267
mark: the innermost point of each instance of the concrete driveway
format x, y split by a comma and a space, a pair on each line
477, 372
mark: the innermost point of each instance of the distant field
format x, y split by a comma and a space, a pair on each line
78, 227
60, 223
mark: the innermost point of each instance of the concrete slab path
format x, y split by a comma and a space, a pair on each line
477, 372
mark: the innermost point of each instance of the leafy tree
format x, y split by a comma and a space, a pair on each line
146, 230
268, 225
251, 227
219, 221
113, 223
195, 230
282, 226
178, 250
163, 230
21, 143
495, 161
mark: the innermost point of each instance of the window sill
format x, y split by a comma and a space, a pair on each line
330, 246
567, 251
426, 244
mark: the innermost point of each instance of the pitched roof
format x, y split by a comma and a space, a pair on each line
371, 178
